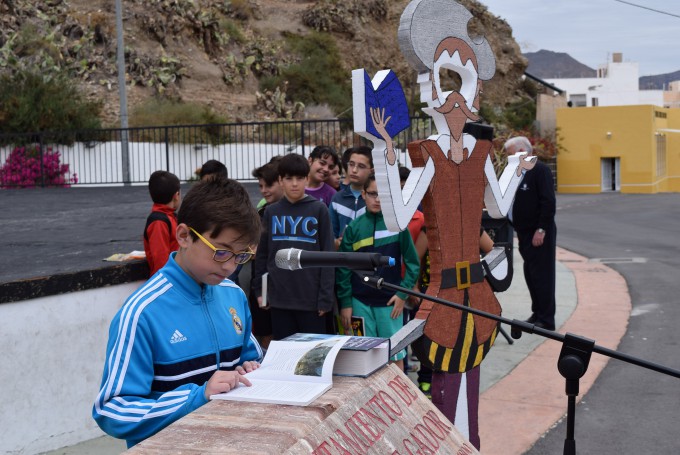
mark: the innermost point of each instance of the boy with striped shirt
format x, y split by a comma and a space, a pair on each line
186, 333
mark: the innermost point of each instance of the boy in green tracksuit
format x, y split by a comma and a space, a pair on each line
368, 233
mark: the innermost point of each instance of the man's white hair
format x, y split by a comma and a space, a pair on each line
519, 144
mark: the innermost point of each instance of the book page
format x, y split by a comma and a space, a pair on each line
266, 391
303, 361
292, 372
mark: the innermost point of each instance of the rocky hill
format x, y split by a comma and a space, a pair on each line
217, 52
549, 65
658, 82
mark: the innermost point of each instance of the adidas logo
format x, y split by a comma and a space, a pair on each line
177, 337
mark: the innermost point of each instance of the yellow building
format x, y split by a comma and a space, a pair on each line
631, 149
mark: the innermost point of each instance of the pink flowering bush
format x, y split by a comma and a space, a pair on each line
22, 169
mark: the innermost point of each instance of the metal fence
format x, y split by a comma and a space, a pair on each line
128, 156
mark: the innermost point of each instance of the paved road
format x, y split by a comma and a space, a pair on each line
58, 230
629, 410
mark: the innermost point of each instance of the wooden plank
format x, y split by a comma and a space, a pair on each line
382, 414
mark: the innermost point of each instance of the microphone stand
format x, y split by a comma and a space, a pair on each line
574, 356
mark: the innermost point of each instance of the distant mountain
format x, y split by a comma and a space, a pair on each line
551, 65
658, 82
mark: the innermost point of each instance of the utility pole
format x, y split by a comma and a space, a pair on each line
122, 94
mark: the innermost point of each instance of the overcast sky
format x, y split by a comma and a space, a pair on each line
590, 30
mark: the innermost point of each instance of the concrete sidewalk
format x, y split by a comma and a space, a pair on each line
500, 375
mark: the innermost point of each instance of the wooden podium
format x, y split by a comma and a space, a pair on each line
382, 414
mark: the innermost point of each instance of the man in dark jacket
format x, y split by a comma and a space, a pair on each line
533, 217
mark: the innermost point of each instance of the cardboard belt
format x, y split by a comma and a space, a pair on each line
462, 276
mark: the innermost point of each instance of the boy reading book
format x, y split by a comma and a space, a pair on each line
186, 333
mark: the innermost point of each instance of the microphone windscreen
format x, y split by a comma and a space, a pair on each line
288, 259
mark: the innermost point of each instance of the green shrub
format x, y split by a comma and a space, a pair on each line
167, 112
31, 102
233, 30
517, 115
317, 77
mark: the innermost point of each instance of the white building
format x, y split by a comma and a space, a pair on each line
616, 84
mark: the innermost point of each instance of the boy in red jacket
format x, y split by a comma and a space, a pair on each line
159, 234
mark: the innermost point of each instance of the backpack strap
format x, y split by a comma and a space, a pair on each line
157, 216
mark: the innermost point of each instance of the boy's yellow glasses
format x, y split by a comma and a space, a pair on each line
223, 255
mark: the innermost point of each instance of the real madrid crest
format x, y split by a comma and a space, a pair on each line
238, 325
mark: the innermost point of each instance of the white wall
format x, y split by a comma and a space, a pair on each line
101, 163
52, 360
620, 87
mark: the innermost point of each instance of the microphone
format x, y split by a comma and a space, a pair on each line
294, 259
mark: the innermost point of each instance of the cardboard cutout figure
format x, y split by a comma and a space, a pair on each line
454, 177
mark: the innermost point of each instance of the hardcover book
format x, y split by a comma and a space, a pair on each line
359, 356
300, 368
384, 91
292, 372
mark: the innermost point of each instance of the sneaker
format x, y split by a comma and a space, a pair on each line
426, 388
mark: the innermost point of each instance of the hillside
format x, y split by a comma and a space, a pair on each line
550, 65
559, 65
658, 82
217, 52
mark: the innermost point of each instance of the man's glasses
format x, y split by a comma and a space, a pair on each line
223, 255
372, 194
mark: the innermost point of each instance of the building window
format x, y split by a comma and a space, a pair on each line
659, 114
578, 100
595, 102
660, 154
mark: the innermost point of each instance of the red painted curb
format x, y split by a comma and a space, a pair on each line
516, 411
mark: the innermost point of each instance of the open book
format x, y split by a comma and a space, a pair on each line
292, 372
359, 356
299, 369
384, 91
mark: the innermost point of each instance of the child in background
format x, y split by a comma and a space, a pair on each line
161, 224
348, 204
271, 190
300, 299
321, 161
274, 184
212, 169
380, 308
334, 178
268, 183
186, 333
344, 161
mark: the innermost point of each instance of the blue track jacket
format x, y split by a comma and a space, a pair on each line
344, 209
166, 341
